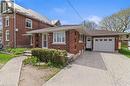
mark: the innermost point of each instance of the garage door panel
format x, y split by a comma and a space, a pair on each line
104, 44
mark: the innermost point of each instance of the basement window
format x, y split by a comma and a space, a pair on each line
28, 23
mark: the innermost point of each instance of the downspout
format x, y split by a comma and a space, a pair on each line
14, 26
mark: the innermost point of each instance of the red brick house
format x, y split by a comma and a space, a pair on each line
17, 23
29, 29
75, 38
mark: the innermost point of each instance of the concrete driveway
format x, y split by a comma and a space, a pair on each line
95, 69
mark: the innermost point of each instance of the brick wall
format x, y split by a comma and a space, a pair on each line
56, 46
21, 40
72, 42
11, 30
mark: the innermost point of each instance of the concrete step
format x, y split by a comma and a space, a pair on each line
27, 54
27, 51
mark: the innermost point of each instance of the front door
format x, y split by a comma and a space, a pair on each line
89, 43
45, 40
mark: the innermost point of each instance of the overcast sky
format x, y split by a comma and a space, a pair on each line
93, 10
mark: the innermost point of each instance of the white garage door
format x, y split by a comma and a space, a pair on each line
104, 44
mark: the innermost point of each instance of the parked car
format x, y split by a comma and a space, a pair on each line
1, 46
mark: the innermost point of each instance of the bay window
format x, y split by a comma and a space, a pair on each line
59, 37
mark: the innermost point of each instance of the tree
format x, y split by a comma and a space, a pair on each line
119, 22
90, 25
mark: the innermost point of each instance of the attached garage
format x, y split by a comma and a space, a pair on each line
104, 44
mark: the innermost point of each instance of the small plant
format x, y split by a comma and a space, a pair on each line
30, 60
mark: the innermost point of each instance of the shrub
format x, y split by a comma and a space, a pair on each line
31, 60
54, 56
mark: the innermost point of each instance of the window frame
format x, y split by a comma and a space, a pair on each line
6, 35
7, 21
28, 21
4, 7
57, 35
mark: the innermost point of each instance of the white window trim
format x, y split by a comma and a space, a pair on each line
7, 19
4, 7
31, 40
27, 19
56, 38
6, 38
81, 38
44, 40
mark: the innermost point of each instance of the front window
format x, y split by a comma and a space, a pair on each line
4, 6
6, 21
59, 37
7, 35
28, 23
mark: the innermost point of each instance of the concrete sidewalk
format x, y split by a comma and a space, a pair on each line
10, 72
78, 75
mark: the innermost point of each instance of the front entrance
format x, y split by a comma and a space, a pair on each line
89, 43
44, 40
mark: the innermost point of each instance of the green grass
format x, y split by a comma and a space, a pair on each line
124, 50
5, 58
16, 51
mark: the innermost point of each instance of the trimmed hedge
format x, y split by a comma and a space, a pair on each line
58, 57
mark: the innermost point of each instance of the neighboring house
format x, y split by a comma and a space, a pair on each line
34, 30
125, 38
16, 24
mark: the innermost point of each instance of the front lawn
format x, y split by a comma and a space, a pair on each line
15, 51
10, 53
5, 58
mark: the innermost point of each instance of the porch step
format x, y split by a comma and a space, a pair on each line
27, 53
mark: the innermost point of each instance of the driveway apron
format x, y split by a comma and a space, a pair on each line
88, 70
119, 67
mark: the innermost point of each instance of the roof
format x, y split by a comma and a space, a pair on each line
54, 21
103, 33
28, 12
79, 28
60, 28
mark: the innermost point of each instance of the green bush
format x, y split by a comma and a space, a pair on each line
31, 60
125, 51
50, 55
